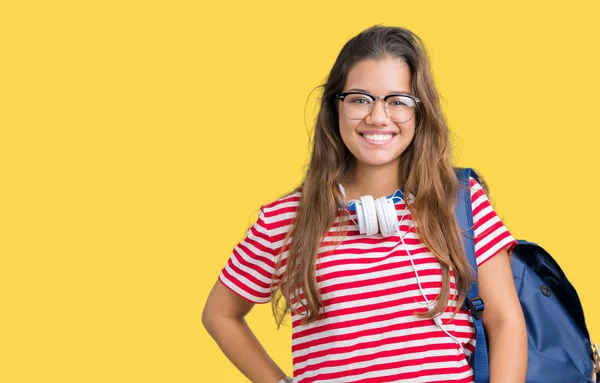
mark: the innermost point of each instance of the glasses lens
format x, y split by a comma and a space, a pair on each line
400, 108
357, 106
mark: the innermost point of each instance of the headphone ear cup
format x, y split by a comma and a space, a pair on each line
360, 215
387, 216
369, 214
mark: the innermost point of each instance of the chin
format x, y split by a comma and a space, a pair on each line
377, 161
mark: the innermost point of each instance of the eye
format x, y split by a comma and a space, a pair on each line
400, 102
358, 99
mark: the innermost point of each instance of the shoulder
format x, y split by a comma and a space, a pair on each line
478, 188
283, 207
474, 183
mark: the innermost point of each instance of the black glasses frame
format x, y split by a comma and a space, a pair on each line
342, 96
417, 101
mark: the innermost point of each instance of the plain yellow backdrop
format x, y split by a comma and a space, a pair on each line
139, 138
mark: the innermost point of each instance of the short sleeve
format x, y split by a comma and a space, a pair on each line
250, 268
491, 236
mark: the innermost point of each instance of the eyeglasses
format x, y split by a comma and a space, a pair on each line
398, 107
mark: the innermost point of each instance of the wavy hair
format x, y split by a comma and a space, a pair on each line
425, 171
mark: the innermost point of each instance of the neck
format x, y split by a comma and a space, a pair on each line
377, 181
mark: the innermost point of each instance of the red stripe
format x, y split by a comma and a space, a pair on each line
379, 249
394, 365
277, 224
367, 357
282, 210
366, 294
362, 239
482, 220
483, 205
374, 269
286, 199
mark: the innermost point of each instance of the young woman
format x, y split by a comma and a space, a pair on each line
369, 305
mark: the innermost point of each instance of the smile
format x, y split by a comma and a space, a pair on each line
378, 139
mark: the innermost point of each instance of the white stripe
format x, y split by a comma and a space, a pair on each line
486, 210
391, 272
279, 206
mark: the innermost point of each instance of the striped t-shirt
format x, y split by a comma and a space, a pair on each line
370, 294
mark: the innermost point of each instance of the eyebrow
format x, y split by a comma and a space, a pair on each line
366, 91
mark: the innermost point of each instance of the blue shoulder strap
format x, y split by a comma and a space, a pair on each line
464, 216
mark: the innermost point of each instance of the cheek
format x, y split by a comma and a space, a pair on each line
344, 133
407, 129
347, 130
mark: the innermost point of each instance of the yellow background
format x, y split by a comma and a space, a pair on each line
138, 140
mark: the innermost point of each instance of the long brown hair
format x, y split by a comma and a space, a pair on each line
425, 171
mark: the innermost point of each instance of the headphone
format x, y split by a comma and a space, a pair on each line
375, 214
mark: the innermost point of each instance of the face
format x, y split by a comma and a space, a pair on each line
379, 78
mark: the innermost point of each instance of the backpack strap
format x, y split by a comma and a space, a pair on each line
464, 216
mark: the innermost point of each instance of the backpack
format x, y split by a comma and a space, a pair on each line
559, 345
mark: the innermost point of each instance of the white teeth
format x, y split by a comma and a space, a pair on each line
378, 137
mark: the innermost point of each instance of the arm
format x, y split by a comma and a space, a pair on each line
223, 318
503, 321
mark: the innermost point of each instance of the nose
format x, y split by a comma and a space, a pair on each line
378, 115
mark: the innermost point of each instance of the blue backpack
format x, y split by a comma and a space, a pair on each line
560, 349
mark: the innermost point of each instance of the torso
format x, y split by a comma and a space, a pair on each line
370, 332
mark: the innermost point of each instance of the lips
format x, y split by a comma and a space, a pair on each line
377, 131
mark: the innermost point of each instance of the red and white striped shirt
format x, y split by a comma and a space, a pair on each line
370, 294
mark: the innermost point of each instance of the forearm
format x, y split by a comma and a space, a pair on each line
242, 348
508, 352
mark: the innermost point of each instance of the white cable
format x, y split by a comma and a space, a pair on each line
436, 319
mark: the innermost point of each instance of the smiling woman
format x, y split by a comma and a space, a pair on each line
381, 299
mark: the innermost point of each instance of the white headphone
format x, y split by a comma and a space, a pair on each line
381, 214
375, 215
